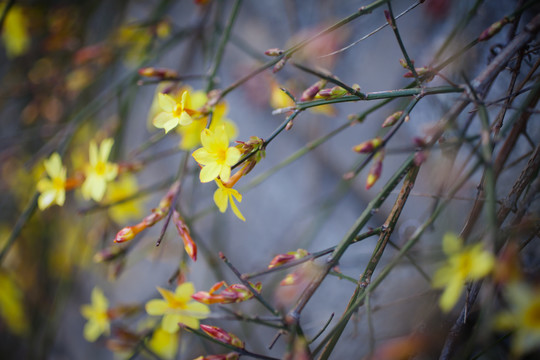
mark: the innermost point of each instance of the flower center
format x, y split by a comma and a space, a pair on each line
465, 265
58, 183
221, 156
100, 168
178, 110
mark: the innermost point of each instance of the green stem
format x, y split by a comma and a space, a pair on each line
410, 65
221, 47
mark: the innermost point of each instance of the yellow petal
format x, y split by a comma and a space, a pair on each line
233, 155
220, 137
170, 323
450, 295
221, 199
188, 321
451, 243
209, 172
203, 157
166, 121
44, 185
53, 165
105, 149
206, 138
185, 119
183, 292
60, 197
93, 153
442, 276
167, 295
46, 199
236, 211
166, 102
197, 310
99, 301
225, 173
482, 265
91, 331
185, 99
156, 307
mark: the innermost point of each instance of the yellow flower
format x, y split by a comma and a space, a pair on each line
118, 190
216, 156
222, 196
463, 264
11, 305
191, 134
15, 35
163, 343
178, 307
52, 190
100, 171
97, 315
523, 317
173, 112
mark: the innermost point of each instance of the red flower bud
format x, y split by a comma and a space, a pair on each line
183, 231
273, 52
392, 119
223, 336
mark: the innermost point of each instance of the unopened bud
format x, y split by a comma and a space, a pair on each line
125, 234
282, 259
183, 231
368, 146
311, 91
289, 125
223, 336
161, 73
388, 18
229, 356
280, 64
375, 171
273, 52
110, 253
392, 119
493, 29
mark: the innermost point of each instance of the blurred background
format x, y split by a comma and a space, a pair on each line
70, 75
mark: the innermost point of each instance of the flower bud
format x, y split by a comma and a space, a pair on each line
280, 64
161, 73
311, 91
229, 356
493, 29
392, 119
375, 171
368, 146
273, 52
183, 231
282, 259
110, 253
125, 234
223, 336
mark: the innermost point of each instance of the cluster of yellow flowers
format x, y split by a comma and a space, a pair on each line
215, 157
99, 171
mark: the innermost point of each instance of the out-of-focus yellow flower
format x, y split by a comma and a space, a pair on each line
523, 317
164, 343
97, 315
119, 190
15, 33
173, 112
177, 307
463, 264
135, 40
216, 156
100, 170
223, 195
53, 189
11, 306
